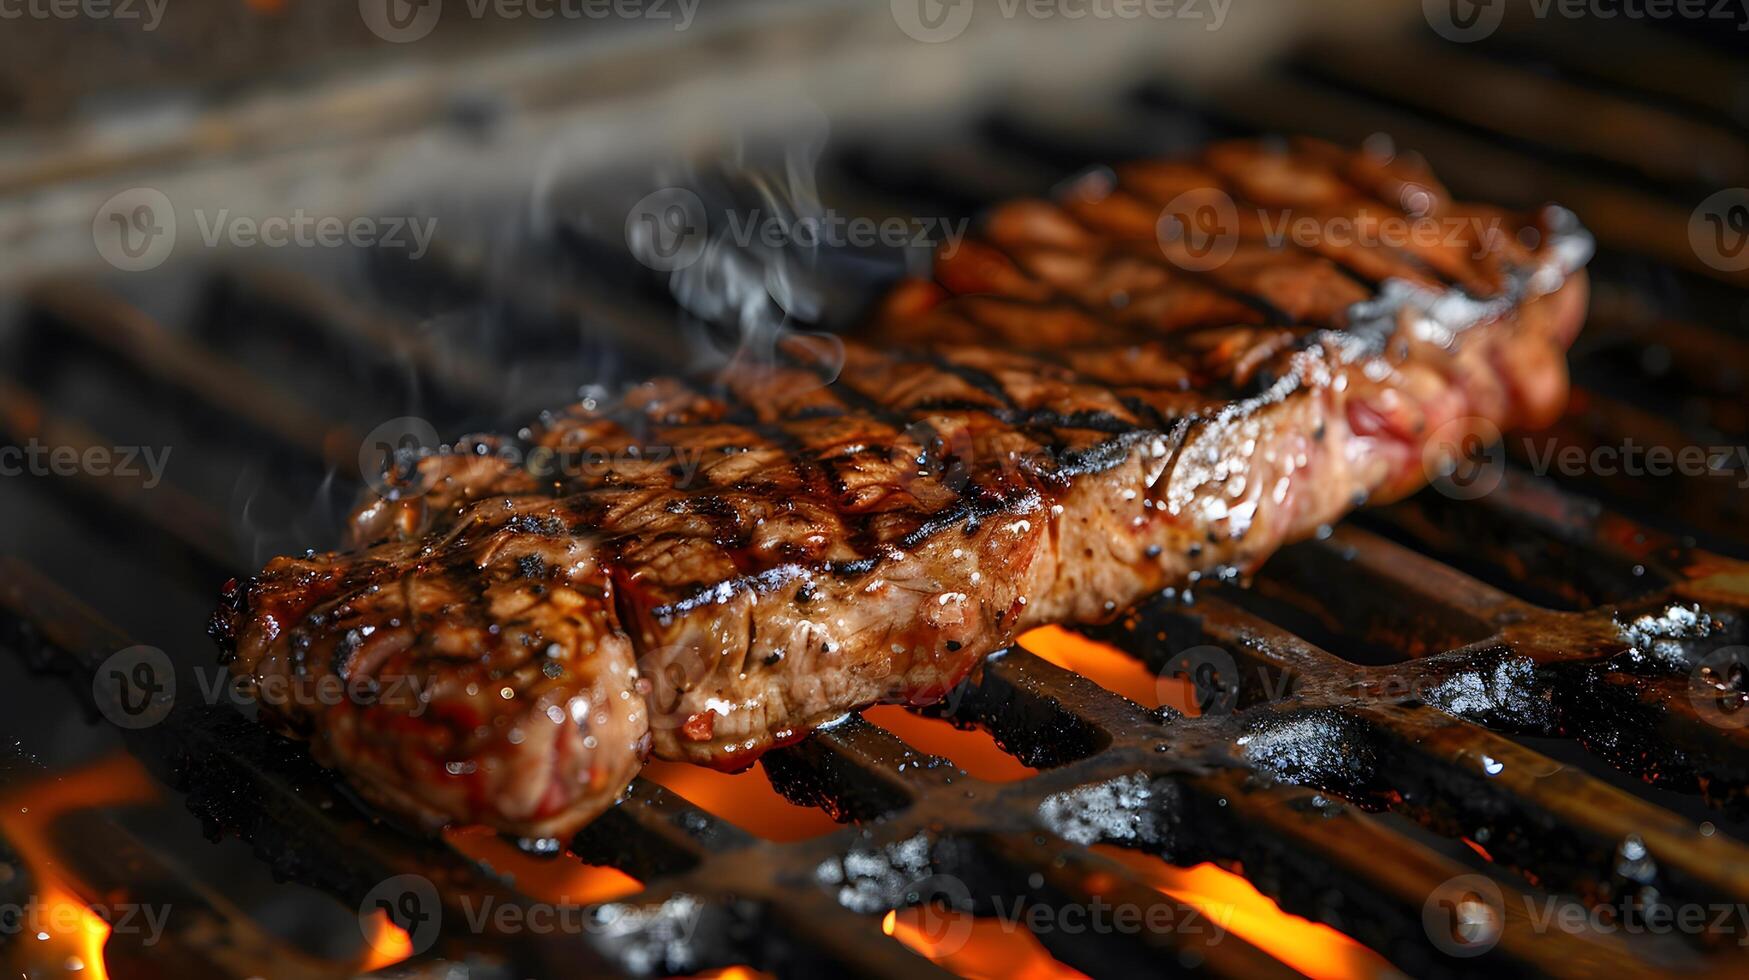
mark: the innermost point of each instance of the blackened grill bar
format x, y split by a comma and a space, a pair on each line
1304, 846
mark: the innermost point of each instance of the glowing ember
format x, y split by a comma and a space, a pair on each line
744, 799
1230, 901
971, 749
1110, 668
389, 944
972, 947
69, 937
1004, 950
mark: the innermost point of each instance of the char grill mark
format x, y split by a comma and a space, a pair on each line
1319, 182
1064, 422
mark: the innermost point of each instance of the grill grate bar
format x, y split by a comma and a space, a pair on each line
456, 374
180, 517
525, 295
1396, 604
1491, 767
1068, 876
1374, 881
127, 332
1567, 828
1533, 109
1657, 732
1643, 64
1041, 714
855, 770
241, 777
1545, 546
107, 859
1658, 355
1625, 219
654, 831
658, 830
841, 944
1429, 582
1597, 422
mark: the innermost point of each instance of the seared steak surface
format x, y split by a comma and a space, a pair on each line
1075, 413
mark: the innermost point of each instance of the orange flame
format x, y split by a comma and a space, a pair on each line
1111, 668
1002, 950
991, 950
1231, 902
71, 937
972, 749
389, 944
744, 799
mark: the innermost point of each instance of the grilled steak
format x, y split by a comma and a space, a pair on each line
1072, 416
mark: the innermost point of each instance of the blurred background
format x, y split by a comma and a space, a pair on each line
250, 243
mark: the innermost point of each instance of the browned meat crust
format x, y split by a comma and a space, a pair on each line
1061, 424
